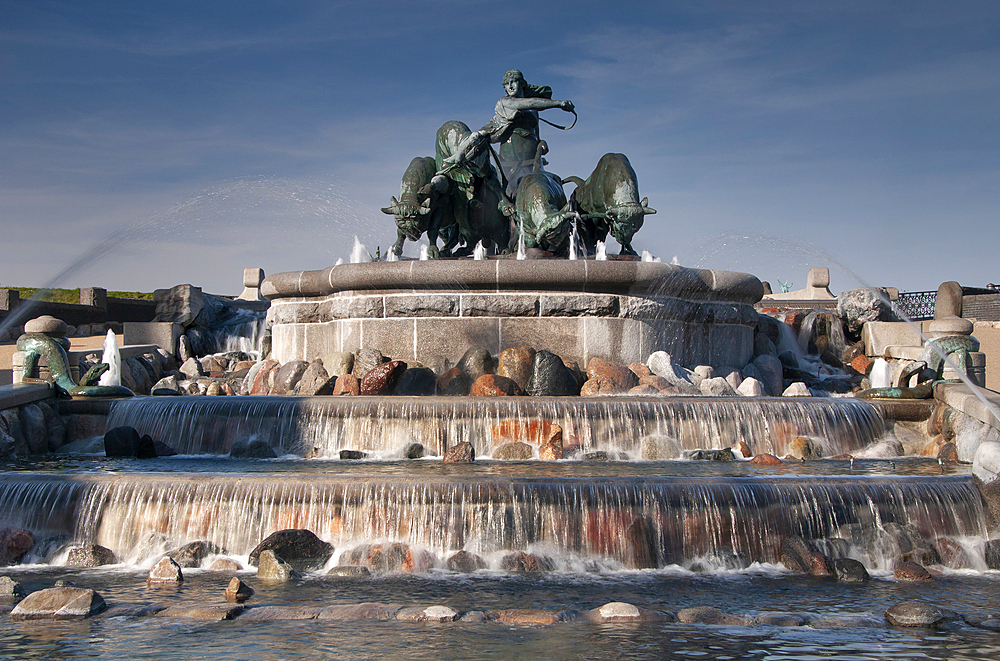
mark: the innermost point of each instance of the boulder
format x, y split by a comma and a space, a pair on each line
551, 378
413, 451
65, 603
515, 451
192, 368
769, 372
168, 385
203, 612
799, 555
848, 570
365, 360
416, 381
11, 591
362, 611
382, 379
272, 568
201, 340
180, 304
661, 364
535, 432
427, 614
914, 614
165, 572
461, 453
252, 449
525, 563
352, 455
551, 450
796, 389
857, 306
339, 363
453, 383
256, 382
658, 447
288, 377
708, 615
618, 611
525, 616
192, 554
347, 384
391, 557
991, 551
493, 385
803, 447
315, 381
516, 363
476, 362
765, 459
617, 375
465, 562
300, 548
225, 564
126, 442
716, 387
14, 544
751, 387
911, 572
91, 555
349, 571
237, 592
36, 434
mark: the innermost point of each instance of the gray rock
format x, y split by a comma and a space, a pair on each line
192, 369
465, 562
300, 548
460, 453
64, 603
661, 364
184, 351
428, 614
252, 449
288, 376
126, 442
192, 554
413, 451
202, 341
36, 435
659, 448
140, 377
352, 455
763, 346
550, 377
779, 619
885, 449
203, 613
849, 570
515, 451
166, 571
11, 591
751, 387
619, 611
914, 614
315, 380
796, 389
272, 568
91, 555
416, 381
705, 371
365, 360
180, 304
857, 306
476, 362
338, 364
732, 376
279, 613
350, 571
8, 446
166, 383
769, 372
716, 387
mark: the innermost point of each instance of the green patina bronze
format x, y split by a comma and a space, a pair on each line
956, 347
37, 346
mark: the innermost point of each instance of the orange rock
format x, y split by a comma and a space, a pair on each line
861, 364
646, 389
744, 449
621, 377
640, 370
382, 379
551, 451
516, 363
657, 382
347, 384
600, 385
765, 459
260, 383
494, 385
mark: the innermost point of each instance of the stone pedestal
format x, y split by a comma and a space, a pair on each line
616, 310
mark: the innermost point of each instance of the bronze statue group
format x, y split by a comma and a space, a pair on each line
459, 197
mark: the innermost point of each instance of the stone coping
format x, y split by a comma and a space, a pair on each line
966, 400
20, 394
507, 275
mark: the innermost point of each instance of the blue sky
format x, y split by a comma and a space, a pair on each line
770, 136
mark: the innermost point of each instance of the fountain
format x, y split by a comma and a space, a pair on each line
635, 496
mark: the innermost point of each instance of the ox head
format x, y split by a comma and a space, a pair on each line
624, 220
411, 219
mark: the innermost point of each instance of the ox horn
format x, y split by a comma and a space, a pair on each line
425, 207
391, 209
646, 209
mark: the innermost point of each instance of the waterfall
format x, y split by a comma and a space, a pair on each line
691, 517
199, 425
243, 332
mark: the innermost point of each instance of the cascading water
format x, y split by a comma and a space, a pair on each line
243, 333
602, 252
111, 358
691, 517
636, 426
479, 252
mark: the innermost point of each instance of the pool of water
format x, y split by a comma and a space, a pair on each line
758, 589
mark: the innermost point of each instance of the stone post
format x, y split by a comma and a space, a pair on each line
95, 297
9, 298
948, 302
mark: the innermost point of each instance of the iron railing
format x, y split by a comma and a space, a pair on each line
917, 305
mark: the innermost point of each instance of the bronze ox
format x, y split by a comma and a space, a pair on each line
610, 198
544, 215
